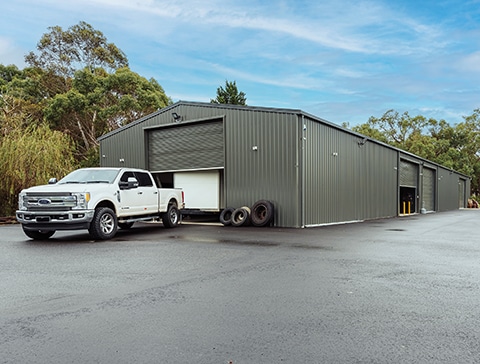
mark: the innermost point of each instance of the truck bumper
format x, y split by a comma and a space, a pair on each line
55, 220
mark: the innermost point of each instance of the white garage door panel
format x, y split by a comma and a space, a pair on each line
201, 189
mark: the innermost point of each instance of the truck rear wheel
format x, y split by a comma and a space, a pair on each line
38, 234
104, 224
171, 218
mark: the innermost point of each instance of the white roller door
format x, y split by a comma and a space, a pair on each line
201, 188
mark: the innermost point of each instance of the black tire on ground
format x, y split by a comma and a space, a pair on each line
172, 217
125, 225
262, 213
104, 225
241, 216
226, 216
38, 234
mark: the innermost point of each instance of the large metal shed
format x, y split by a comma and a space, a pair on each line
314, 172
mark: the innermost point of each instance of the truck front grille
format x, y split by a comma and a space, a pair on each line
45, 202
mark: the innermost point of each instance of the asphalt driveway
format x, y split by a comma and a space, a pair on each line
403, 290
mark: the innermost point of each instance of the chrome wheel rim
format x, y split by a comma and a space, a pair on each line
106, 223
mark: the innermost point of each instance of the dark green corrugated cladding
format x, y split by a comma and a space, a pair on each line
314, 172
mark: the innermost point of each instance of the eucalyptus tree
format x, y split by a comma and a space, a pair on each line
63, 52
456, 147
99, 102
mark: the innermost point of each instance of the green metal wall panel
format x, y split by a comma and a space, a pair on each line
123, 150
461, 193
346, 177
315, 175
448, 195
261, 162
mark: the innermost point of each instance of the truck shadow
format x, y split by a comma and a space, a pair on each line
141, 232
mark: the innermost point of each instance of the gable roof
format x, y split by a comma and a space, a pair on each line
296, 112
170, 108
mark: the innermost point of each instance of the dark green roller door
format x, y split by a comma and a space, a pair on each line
428, 189
186, 147
408, 174
461, 193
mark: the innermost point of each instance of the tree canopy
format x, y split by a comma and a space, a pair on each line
230, 95
456, 147
80, 46
78, 86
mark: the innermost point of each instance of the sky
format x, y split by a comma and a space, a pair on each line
343, 61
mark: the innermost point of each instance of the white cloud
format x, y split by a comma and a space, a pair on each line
355, 55
363, 27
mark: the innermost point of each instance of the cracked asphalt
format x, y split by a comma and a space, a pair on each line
402, 290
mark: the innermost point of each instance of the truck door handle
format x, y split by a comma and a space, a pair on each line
139, 192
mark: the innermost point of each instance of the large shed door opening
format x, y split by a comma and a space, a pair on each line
408, 187
190, 156
428, 188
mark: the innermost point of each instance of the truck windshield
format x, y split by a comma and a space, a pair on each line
90, 176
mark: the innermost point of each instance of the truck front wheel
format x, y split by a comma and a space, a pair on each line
38, 234
171, 218
104, 224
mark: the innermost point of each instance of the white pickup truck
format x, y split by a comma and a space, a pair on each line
98, 199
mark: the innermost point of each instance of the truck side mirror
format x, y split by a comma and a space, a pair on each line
131, 183
52, 181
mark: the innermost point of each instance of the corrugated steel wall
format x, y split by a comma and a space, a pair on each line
270, 172
125, 149
346, 177
319, 175
451, 188
261, 162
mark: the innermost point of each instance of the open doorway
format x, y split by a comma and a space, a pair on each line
407, 200
164, 180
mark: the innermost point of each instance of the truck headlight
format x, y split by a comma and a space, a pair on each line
82, 200
21, 201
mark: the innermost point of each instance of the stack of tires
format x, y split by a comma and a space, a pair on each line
260, 214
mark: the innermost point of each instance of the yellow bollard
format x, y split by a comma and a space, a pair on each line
404, 207
409, 203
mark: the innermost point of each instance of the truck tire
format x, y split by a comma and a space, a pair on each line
241, 216
262, 213
226, 216
171, 218
104, 224
38, 234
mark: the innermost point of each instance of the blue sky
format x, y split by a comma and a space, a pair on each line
343, 61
